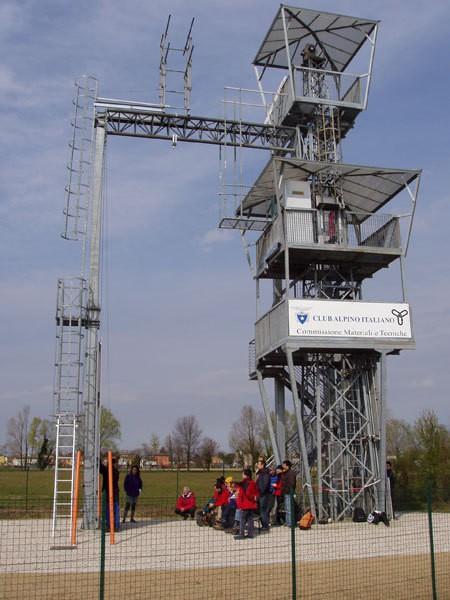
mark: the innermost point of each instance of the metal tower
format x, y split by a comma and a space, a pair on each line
323, 238
320, 236
73, 320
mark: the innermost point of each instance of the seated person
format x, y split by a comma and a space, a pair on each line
220, 496
228, 509
186, 504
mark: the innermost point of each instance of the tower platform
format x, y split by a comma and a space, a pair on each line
318, 326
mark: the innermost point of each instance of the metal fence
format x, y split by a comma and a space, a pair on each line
163, 556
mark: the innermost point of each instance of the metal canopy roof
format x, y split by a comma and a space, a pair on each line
339, 37
365, 189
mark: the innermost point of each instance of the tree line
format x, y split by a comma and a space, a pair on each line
419, 451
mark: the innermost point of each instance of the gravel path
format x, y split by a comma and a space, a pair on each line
154, 545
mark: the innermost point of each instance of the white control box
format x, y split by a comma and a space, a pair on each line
297, 195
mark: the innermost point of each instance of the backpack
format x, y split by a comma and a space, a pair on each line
359, 516
307, 520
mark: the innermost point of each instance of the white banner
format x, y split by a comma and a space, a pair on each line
348, 319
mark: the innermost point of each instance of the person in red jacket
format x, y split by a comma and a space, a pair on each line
221, 495
186, 504
247, 503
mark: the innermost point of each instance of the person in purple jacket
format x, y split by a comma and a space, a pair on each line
133, 487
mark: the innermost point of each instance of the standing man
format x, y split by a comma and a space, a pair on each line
133, 488
390, 475
288, 481
105, 488
265, 496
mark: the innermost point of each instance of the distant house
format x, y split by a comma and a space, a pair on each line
216, 462
3, 460
156, 461
162, 460
126, 459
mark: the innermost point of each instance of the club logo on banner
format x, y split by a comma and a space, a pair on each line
346, 319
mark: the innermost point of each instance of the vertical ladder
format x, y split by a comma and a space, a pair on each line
66, 429
68, 389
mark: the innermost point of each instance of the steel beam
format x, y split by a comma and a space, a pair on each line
186, 128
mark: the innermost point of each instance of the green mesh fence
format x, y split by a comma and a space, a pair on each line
163, 556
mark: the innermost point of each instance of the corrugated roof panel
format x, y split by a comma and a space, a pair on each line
365, 189
339, 36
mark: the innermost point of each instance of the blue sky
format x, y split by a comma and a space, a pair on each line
178, 298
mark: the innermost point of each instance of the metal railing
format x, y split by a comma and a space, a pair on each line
329, 228
346, 89
251, 359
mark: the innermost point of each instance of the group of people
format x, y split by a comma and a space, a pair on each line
234, 504
132, 486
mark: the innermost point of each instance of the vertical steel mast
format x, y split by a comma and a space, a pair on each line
72, 313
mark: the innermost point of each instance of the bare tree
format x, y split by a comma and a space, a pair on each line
17, 435
186, 436
168, 443
154, 444
245, 436
207, 451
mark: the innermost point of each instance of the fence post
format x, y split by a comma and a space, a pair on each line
430, 531
293, 561
102, 547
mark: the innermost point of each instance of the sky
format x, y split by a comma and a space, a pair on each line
178, 299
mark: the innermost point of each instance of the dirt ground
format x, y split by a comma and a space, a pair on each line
177, 560
399, 578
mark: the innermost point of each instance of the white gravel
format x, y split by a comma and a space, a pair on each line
25, 545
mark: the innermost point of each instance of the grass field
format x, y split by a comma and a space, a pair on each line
156, 484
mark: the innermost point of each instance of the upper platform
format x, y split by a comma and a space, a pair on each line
314, 227
316, 48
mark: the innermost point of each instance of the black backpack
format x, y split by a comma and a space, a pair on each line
359, 516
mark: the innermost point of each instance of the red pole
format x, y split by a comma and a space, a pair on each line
75, 499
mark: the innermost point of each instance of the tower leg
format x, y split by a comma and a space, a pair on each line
301, 432
266, 406
382, 453
92, 376
280, 418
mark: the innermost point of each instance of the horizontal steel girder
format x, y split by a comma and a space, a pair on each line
185, 128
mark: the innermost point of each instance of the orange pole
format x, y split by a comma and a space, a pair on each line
75, 499
111, 498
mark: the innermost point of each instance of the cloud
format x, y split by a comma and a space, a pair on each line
217, 236
179, 295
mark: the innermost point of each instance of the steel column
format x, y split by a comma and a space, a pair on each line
266, 407
301, 432
92, 383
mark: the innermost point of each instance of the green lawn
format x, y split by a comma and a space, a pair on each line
156, 484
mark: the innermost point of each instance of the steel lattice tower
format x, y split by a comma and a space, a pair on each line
320, 237
322, 241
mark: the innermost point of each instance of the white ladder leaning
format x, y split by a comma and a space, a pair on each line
66, 429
